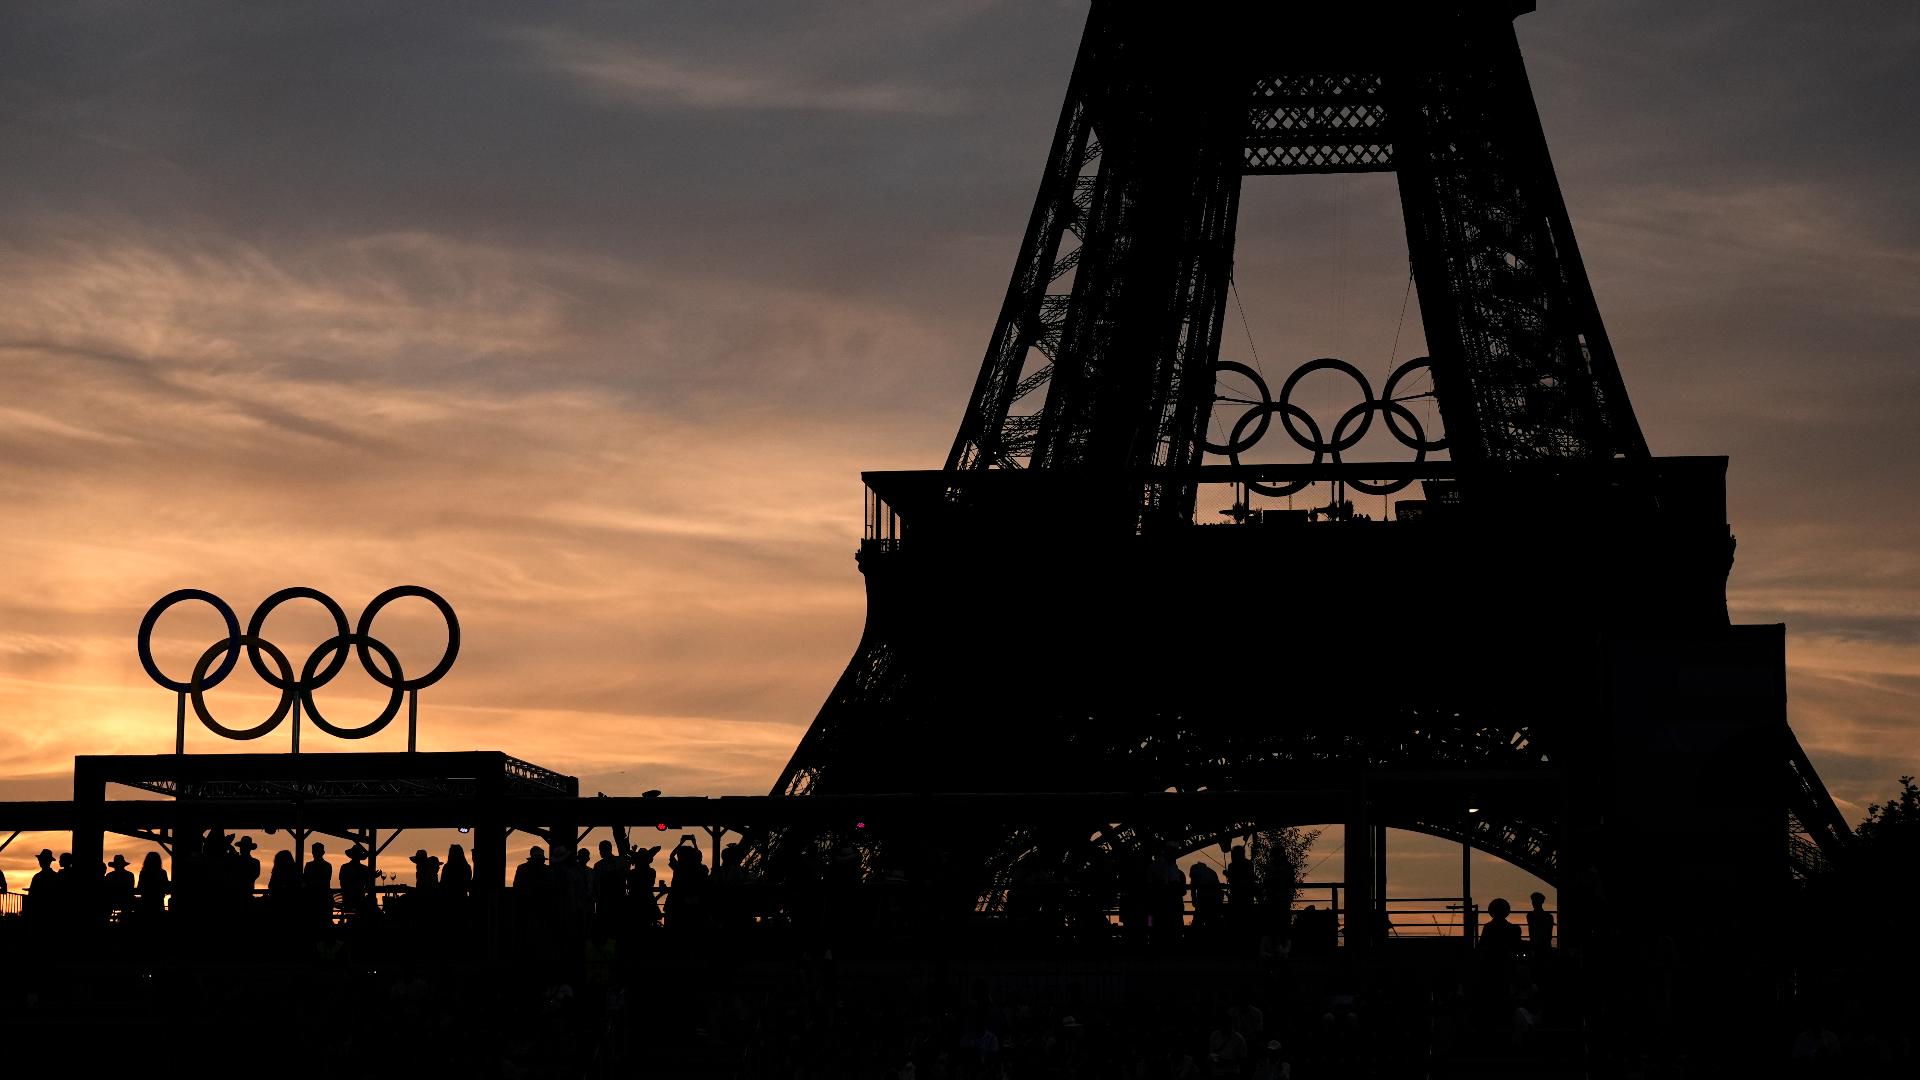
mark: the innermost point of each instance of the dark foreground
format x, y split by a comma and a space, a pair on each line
977, 1001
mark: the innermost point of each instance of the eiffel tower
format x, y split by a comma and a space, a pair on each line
1534, 657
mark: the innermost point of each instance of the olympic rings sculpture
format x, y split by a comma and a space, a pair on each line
320, 668
1352, 426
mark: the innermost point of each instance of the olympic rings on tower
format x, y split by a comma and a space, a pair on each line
326, 661
1301, 427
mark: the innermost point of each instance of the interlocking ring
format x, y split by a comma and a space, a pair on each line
259, 622
310, 681
146, 639
366, 627
1233, 444
327, 660
1352, 426
197, 689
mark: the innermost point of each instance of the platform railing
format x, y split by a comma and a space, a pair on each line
1409, 917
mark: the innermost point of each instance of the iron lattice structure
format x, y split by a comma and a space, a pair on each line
1046, 614
1103, 353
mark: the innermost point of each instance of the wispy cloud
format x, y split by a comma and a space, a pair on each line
638, 75
1805, 240
644, 586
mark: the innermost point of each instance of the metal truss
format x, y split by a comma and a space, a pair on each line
1816, 831
1117, 297
1314, 122
1100, 376
245, 777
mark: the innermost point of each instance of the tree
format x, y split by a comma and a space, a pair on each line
1893, 826
1859, 942
1882, 871
1280, 859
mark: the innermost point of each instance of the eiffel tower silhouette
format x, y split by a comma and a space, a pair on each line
1534, 656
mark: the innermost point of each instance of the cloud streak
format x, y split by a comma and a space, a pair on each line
631, 74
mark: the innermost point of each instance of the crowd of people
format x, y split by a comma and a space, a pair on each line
611, 916
613, 939
216, 877
575, 895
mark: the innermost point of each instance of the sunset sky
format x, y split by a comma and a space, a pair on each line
589, 316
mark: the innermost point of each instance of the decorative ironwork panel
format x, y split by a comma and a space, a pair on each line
1318, 123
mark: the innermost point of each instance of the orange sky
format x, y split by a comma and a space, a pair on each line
589, 320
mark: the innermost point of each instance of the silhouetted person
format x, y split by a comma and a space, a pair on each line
609, 890
152, 888
316, 881
42, 904
246, 872
532, 875
575, 879
119, 886
642, 884
1242, 883
456, 877
426, 871
1494, 953
728, 887
1315, 931
1169, 897
216, 882
686, 896
283, 889
532, 893
1499, 937
1206, 898
1539, 927
356, 885
76, 893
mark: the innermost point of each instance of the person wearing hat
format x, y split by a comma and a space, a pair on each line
426, 870
246, 873
119, 887
356, 884
425, 897
532, 896
43, 892
531, 875
642, 904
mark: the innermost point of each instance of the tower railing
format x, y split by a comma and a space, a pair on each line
1281, 494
